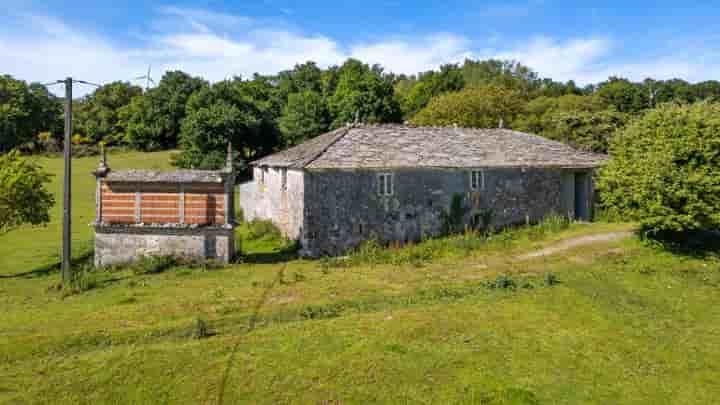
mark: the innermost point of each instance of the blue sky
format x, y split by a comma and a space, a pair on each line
103, 41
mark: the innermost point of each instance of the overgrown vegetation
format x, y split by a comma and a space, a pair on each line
665, 171
373, 253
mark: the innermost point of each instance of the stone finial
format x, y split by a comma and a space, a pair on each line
103, 169
229, 158
501, 124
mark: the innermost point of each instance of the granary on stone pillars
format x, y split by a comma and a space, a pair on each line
186, 213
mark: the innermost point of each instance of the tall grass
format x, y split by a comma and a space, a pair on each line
373, 252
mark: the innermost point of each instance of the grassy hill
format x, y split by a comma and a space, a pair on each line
458, 320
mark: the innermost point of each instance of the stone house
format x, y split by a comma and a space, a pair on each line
397, 183
188, 213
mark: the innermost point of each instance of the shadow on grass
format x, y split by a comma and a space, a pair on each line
695, 244
278, 255
83, 259
251, 327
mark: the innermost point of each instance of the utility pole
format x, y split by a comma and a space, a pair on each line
66, 232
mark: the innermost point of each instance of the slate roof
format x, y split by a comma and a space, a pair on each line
177, 176
395, 146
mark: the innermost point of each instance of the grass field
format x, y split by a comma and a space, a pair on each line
459, 320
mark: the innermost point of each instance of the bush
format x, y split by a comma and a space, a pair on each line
503, 282
665, 171
551, 279
200, 329
263, 229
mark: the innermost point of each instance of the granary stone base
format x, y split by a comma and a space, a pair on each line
117, 244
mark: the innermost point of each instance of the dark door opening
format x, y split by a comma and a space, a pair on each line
582, 196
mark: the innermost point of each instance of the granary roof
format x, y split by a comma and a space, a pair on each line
394, 146
177, 176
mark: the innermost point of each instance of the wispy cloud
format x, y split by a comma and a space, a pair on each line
414, 55
217, 46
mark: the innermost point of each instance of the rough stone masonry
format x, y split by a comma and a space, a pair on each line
397, 183
186, 213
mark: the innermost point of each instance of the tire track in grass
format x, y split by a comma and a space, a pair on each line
251, 326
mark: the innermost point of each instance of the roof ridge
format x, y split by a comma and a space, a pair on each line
328, 146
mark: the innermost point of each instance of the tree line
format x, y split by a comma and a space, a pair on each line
266, 113
663, 136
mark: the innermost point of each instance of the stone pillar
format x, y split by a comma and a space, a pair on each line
102, 170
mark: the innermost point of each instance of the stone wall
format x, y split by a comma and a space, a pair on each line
275, 194
116, 244
343, 207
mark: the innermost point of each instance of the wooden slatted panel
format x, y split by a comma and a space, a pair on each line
160, 203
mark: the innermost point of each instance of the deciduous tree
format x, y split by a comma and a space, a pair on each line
24, 198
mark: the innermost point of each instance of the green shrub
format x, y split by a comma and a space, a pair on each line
503, 282
551, 279
665, 170
263, 229
452, 220
200, 329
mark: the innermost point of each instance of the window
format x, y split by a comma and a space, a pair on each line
261, 175
385, 184
283, 175
477, 180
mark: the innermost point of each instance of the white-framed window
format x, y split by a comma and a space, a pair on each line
477, 180
385, 184
283, 178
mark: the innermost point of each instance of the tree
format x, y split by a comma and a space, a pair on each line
25, 111
207, 131
665, 170
237, 111
304, 116
625, 96
153, 121
23, 196
98, 115
430, 84
304, 77
584, 122
365, 93
587, 130
480, 107
504, 73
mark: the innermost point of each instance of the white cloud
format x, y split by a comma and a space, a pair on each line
575, 59
403, 56
216, 46
592, 60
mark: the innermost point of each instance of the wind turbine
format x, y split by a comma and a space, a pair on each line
147, 77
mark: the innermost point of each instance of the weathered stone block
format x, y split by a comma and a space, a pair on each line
117, 244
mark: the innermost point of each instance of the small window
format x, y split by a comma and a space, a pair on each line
385, 184
477, 180
283, 176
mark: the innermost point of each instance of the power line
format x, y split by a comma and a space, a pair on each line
52, 83
88, 83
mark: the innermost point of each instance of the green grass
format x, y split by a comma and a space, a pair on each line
623, 324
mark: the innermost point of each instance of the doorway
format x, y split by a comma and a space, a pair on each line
582, 196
